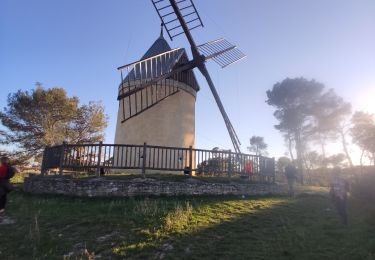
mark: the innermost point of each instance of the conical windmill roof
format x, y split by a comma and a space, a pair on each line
158, 47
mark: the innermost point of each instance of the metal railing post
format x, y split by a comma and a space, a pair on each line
144, 160
230, 164
191, 161
99, 159
62, 154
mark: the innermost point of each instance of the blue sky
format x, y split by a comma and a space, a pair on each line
79, 44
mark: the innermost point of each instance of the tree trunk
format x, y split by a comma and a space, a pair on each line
324, 162
299, 154
345, 148
290, 147
322, 145
323, 150
361, 161
308, 170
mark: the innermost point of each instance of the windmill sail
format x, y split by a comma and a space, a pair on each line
147, 71
170, 20
221, 51
151, 80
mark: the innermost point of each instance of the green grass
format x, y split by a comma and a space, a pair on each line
305, 227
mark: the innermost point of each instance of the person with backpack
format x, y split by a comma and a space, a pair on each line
6, 173
291, 176
339, 192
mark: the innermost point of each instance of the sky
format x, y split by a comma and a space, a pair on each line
78, 45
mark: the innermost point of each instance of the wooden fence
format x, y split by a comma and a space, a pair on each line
98, 157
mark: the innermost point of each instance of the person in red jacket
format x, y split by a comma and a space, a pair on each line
249, 169
4, 182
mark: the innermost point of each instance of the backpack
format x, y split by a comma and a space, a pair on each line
11, 172
290, 172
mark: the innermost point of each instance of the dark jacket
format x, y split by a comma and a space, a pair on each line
5, 185
4, 168
291, 172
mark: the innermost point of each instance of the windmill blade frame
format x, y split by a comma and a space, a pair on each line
137, 69
221, 51
151, 80
199, 61
148, 70
169, 19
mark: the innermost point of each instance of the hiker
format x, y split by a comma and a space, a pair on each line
338, 192
6, 172
249, 169
291, 176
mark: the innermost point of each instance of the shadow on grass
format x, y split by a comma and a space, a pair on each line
302, 228
55, 225
306, 227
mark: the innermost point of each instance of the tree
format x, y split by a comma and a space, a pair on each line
213, 165
329, 117
88, 125
293, 100
15, 158
288, 138
336, 160
313, 160
42, 118
281, 163
363, 133
307, 112
343, 130
257, 145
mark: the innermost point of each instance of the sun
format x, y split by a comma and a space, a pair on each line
366, 101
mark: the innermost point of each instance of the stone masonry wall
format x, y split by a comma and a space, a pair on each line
100, 187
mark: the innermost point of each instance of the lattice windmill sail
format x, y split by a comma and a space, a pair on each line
160, 75
171, 20
221, 51
149, 81
155, 105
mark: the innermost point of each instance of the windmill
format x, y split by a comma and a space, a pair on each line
152, 79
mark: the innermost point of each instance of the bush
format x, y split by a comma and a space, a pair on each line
20, 176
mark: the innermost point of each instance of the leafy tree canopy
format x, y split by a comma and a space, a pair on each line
293, 100
329, 111
336, 160
363, 132
257, 145
44, 117
281, 163
306, 113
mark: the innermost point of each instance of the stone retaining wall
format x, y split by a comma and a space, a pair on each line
101, 187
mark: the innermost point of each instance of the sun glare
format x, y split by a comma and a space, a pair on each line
366, 101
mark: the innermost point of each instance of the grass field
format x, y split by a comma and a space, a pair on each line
305, 227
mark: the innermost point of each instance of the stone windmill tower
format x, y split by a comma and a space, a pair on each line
157, 93
162, 112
